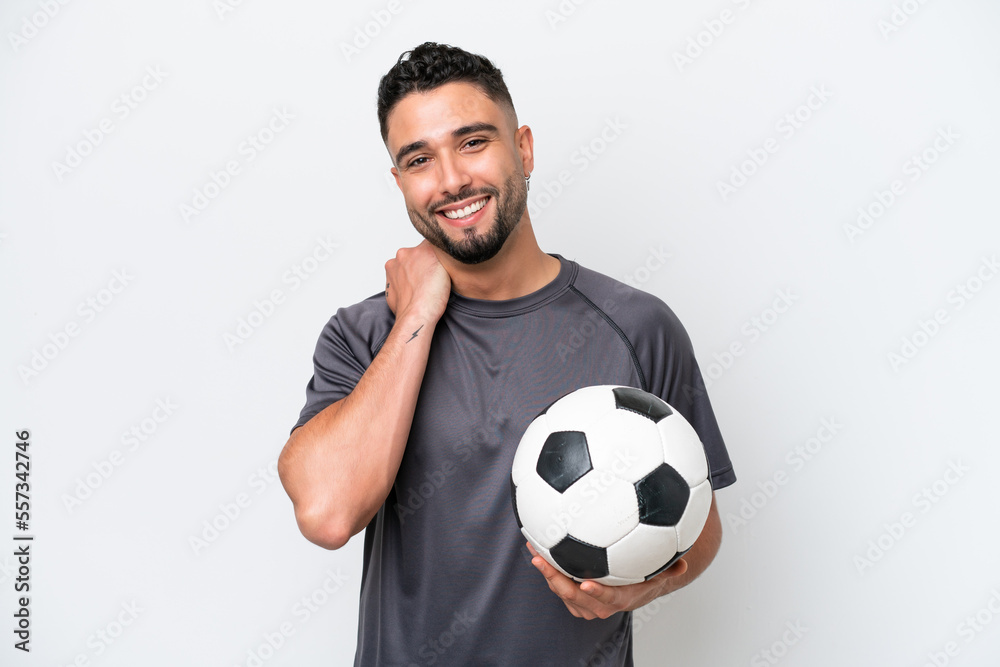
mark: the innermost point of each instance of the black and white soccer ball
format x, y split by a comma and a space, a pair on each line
611, 484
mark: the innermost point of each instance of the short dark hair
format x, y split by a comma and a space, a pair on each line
431, 65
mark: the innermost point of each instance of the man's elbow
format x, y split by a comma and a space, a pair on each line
316, 523
322, 530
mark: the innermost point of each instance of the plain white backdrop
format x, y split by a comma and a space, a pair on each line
189, 190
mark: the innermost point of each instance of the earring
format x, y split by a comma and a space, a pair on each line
527, 182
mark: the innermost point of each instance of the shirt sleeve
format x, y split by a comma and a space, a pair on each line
667, 359
345, 349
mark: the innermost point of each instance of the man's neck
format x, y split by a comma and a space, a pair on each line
520, 268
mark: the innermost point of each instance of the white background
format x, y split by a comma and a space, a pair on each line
826, 550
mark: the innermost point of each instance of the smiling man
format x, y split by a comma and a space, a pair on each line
420, 395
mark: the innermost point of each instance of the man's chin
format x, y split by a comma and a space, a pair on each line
482, 247
472, 254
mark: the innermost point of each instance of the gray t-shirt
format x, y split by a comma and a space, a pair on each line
447, 579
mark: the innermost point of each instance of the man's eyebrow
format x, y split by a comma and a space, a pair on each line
475, 127
409, 148
457, 132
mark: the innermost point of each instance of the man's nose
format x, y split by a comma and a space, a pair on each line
454, 176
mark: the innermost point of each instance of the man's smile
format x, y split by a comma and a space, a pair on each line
465, 212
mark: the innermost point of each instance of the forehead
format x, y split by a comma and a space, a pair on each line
432, 115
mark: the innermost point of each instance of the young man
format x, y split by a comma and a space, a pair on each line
420, 396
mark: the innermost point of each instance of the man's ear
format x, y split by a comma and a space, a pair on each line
526, 148
395, 174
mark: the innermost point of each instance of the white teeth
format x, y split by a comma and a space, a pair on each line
465, 212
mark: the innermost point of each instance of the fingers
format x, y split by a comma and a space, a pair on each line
577, 601
390, 298
604, 594
560, 584
565, 588
590, 599
417, 281
677, 569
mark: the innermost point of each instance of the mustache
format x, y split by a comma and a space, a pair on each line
464, 194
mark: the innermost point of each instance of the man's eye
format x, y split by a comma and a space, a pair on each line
472, 143
417, 162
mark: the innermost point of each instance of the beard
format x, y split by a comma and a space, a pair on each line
475, 247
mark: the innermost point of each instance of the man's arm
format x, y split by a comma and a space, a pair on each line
339, 466
593, 600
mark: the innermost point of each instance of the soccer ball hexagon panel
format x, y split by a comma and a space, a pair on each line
610, 483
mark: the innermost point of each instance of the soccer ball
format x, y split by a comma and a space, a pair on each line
611, 484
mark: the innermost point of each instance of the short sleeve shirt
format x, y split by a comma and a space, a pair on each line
447, 579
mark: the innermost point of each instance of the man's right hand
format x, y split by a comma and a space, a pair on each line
417, 283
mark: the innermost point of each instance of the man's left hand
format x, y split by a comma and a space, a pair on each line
592, 600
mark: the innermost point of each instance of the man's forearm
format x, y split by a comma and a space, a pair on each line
339, 467
702, 552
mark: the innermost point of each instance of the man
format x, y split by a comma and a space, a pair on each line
420, 396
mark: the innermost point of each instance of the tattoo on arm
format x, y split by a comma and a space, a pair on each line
415, 333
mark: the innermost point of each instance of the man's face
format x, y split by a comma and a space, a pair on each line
460, 164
